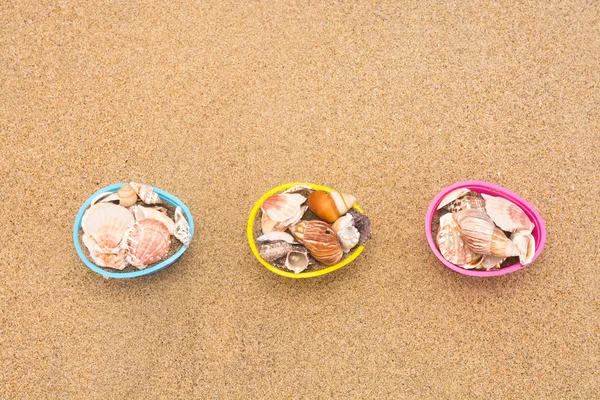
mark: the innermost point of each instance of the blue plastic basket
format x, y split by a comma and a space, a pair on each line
166, 197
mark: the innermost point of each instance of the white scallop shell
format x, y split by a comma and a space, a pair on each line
507, 215
106, 224
282, 207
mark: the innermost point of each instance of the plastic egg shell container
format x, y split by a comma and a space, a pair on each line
252, 220
538, 233
165, 197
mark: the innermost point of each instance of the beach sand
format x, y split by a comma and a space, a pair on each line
219, 103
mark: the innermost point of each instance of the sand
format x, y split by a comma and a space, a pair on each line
219, 103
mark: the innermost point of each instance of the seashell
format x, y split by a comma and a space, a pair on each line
482, 236
114, 259
492, 262
127, 196
272, 251
106, 224
329, 206
363, 224
268, 225
302, 189
525, 244
182, 228
105, 197
275, 236
283, 207
475, 262
148, 241
141, 212
342, 222
507, 215
320, 241
296, 261
470, 201
146, 193
451, 244
453, 195
348, 238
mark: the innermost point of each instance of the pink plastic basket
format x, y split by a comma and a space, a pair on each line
539, 232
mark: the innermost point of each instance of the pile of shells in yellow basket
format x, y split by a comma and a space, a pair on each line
303, 229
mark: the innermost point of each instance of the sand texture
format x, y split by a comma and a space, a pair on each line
219, 102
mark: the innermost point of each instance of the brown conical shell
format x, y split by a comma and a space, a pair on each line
127, 196
329, 206
148, 242
501, 246
320, 241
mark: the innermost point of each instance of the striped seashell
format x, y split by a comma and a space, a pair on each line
320, 241
146, 193
470, 201
182, 228
148, 241
451, 244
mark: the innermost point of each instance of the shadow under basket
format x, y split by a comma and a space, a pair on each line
538, 233
254, 228
165, 197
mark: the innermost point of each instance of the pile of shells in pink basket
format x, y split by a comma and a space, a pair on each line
482, 232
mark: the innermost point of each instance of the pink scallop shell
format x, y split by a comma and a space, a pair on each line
148, 242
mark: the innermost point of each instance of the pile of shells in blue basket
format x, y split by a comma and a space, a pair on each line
302, 229
482, 232
132, 228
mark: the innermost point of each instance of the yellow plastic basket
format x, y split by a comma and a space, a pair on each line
288, 274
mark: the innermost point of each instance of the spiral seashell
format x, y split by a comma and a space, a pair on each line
127, 196
342, 222
145, 193
105, 224
507, 215
525, 243
182, 228
283, 207
482, 236
148, 242
320, 241
296, 261
470, 201
329, 206
348, 238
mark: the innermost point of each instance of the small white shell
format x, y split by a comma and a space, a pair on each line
296, 261
182, 228
342, 222
492, 262
105, 197
525, 243
348, 238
